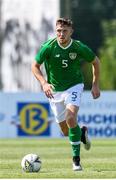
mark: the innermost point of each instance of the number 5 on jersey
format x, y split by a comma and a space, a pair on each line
64, 63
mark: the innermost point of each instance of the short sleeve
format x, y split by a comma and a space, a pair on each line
86, 53
42, 55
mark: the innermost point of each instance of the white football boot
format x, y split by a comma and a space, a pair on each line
76, 164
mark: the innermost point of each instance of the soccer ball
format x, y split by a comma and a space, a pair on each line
31, 163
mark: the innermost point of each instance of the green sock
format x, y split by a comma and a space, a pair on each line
75, 140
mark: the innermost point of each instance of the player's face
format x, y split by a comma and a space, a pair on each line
63, 33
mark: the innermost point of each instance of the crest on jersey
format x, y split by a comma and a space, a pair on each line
72, 55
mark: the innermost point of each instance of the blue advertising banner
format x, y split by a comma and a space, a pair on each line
30, 115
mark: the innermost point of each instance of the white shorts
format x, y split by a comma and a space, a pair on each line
61, 100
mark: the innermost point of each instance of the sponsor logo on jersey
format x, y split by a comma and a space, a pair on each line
72, 55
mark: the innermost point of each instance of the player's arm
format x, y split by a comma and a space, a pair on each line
90, 56
96, 73
47, 88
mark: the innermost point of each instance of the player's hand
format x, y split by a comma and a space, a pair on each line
95, 91
48, 90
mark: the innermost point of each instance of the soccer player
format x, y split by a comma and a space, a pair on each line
62, 58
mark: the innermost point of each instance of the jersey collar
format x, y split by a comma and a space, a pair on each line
66, 46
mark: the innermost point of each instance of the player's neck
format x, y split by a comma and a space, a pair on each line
65, 45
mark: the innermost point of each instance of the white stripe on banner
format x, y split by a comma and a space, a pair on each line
75, 143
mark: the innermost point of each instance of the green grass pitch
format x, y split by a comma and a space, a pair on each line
99, 162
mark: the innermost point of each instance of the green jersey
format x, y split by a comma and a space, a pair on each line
63, 65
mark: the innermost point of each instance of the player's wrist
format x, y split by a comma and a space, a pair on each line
43, 83
95, 83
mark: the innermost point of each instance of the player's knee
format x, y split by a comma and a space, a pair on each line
71, 120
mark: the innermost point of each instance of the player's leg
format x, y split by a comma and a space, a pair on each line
74, 135
59, 110
69, 127
58, 107
64, 129
84, 136
74, 97
72, 102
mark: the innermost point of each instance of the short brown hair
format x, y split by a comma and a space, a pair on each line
64, 21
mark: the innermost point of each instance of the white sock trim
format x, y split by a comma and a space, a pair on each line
75, 143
